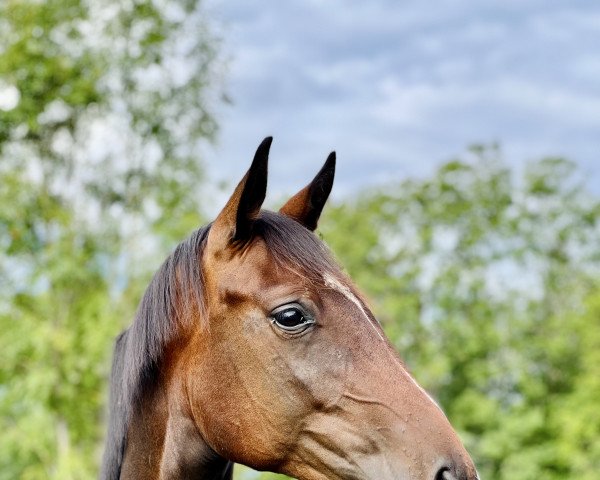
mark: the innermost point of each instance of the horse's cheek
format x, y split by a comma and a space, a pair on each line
240, 401
322, 372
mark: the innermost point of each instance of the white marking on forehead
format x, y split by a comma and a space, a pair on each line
424, 391
334, 283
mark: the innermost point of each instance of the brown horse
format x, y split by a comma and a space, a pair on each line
251, 346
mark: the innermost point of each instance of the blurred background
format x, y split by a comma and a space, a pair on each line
466, 204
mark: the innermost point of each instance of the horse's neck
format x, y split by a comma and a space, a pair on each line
163, 443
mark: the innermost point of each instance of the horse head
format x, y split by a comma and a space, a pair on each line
275, 361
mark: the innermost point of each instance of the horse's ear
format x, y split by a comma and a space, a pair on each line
306, 206
234, 223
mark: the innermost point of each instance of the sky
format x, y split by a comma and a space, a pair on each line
397, 87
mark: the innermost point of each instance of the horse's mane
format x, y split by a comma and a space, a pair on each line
175, 288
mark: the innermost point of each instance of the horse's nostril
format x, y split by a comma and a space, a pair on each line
444, 473
454, 473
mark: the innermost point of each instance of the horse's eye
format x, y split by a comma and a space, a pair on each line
291, 319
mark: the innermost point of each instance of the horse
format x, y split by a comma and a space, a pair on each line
252, 346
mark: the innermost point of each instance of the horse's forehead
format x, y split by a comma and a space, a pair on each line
254, 268
255, 259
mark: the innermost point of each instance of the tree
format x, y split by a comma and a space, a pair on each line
57, 320
112, 101
104, 106
479, 276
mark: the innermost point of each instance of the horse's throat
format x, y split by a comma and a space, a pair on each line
163, 443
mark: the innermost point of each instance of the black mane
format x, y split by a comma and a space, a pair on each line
138, 350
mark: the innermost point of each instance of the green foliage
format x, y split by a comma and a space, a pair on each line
112, 102
74, 219
244, 473
55, 338
487, 284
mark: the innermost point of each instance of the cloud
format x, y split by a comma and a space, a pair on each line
399, 87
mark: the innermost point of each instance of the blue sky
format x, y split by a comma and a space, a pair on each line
397, 87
